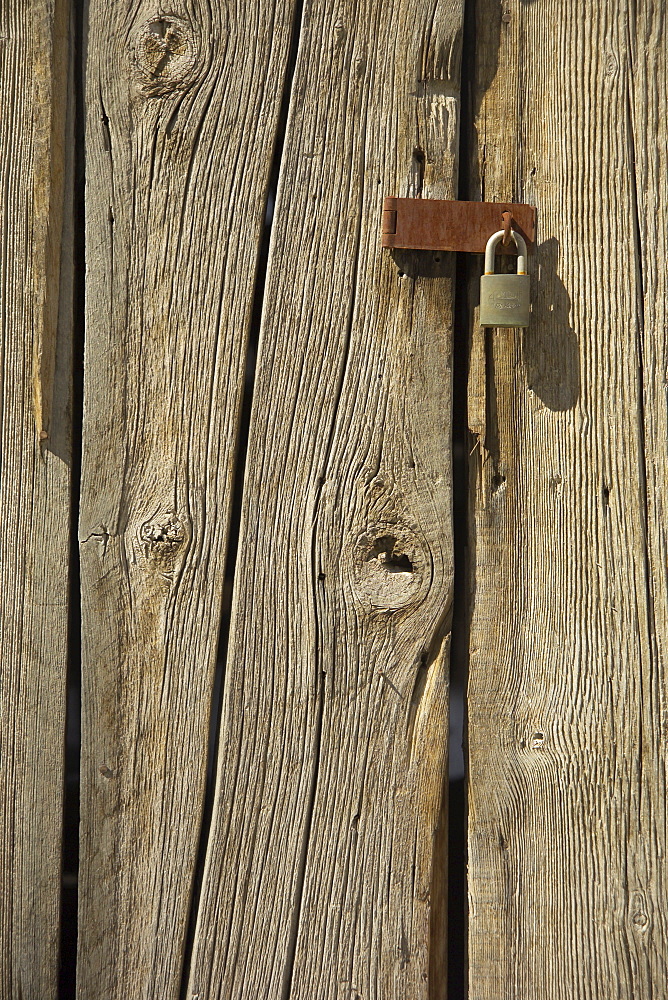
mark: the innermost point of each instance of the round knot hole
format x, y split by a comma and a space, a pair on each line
390, 566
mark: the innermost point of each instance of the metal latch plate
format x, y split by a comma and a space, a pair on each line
461, 226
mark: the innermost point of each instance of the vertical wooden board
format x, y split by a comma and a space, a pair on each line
567, 690
182, 111
325, 866
36, 140
647, 94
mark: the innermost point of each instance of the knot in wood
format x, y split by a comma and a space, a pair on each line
339, 34
163, 538
391, 567
166, 49
638, 908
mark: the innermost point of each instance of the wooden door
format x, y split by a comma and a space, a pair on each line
266, 563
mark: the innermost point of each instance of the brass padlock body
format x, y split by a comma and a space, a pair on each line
505, 299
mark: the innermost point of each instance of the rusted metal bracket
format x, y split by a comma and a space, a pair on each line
462, 226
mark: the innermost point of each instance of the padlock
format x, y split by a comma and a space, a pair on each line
504, 298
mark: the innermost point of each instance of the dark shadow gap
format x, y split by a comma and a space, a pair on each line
237, 498
459, 662
457, 806
69, 898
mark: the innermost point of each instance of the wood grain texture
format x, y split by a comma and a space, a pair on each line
182, 110
567, 692
325, 864
49, 72
36, 141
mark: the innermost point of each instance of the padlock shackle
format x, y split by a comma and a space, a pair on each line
490, 251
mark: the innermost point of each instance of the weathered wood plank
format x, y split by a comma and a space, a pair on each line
325, 869
182, 110
36, 143
646, 84
567, 693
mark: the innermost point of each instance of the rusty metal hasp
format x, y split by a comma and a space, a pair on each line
462, 226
